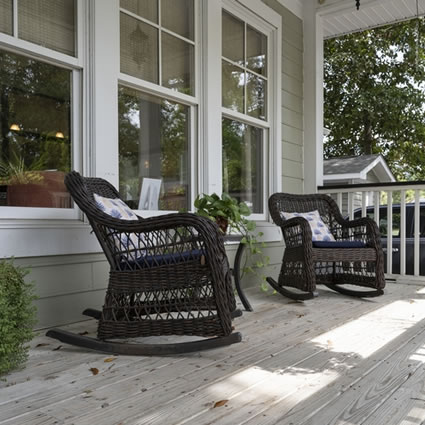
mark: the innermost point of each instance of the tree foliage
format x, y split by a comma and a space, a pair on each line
374, 96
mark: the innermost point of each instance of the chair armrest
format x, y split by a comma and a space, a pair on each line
296, 232
363, 228
165, 234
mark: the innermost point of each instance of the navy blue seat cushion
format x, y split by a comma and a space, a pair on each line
339, 244
164, 259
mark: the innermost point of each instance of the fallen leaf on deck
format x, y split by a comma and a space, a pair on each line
109, 359
83, 333
57, 348
220, 403
94, 370
42, 344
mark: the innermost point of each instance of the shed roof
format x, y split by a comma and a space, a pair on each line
357, 167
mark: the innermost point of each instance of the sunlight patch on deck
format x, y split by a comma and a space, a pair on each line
369, 333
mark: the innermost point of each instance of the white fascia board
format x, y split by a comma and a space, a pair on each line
348, 176
294, 6
380, 162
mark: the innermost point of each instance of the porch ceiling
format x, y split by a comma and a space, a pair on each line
341, 16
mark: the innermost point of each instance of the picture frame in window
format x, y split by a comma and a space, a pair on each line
149, 194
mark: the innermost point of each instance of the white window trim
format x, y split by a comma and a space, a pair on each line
193, 102
255, 14
76, 66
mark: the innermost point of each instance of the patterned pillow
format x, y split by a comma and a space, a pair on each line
118, 209
114, 207
319, 230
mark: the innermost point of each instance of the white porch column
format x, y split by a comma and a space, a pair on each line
101, 157
313, 98
210, 150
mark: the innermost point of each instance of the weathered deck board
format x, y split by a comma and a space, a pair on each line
329, 361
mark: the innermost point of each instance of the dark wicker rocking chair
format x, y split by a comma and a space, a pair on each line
172, 278
354, 258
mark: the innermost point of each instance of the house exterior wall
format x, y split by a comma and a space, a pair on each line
67, 284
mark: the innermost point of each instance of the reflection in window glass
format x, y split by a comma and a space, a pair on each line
177, 64
147, 9
35, 132
256, 90
233, 83
177, 16
6, 16
138, 49
256, 46
49, 23
233, 39
243, 163
153, 144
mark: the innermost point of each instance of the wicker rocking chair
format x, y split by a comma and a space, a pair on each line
169, 275
354, 257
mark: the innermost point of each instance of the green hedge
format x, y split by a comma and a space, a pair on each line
17, 316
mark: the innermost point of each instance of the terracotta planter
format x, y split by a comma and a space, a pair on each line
48, 193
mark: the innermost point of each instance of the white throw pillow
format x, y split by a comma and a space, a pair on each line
319, 230
118, 209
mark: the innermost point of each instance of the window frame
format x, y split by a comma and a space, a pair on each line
193, 102
263, 19
75, 64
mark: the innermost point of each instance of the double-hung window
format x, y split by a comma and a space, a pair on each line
157, 103
249, 117
40, 106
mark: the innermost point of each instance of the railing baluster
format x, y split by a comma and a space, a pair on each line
402, 232
350, 205
377, 201
364, 199
417, 246
390, 232
339, 200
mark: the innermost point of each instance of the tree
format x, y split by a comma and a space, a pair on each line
374, 85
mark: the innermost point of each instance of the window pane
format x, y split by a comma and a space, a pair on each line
243, 163
49, 23
177, 16
256, 55
233, 82
35, 132
256, 92
139, 49
154, 144
177, 64
147, 9
6, 17
233, 39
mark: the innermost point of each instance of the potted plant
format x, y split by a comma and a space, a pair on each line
32, 186
230, 216
17, 316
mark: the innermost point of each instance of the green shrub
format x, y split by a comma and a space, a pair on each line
17, 316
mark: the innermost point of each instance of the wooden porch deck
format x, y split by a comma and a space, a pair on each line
333, 360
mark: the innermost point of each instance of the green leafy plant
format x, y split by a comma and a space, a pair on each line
231, 215
15, 172
17, 316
